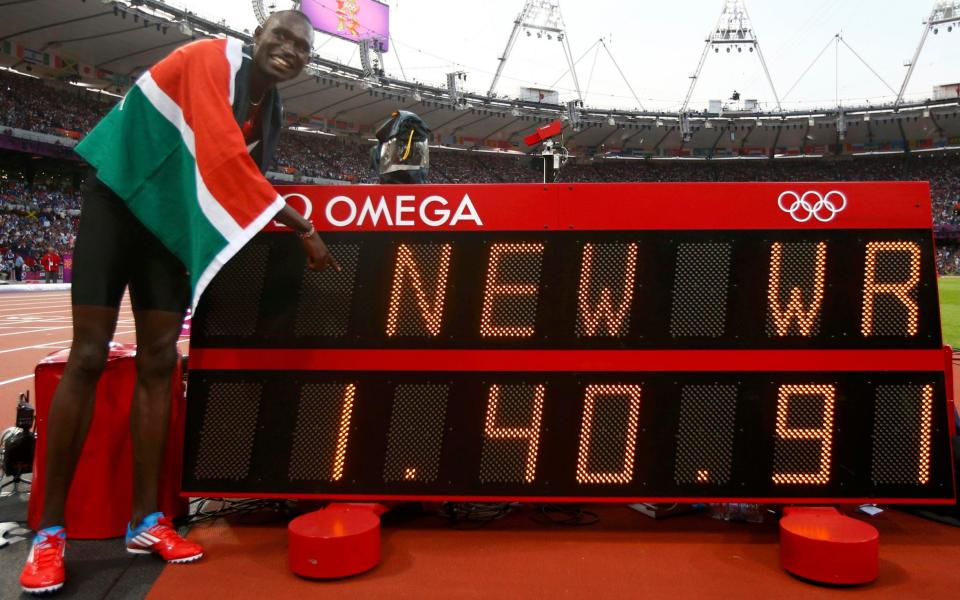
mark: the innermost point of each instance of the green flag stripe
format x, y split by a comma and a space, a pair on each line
158, 179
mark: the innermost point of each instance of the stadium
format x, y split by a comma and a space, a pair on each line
526, 178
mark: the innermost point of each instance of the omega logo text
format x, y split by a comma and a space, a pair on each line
401, 211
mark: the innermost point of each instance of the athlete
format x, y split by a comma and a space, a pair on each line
235, 126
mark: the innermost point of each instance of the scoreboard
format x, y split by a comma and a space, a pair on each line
776, 342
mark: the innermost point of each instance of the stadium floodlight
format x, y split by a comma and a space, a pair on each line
686, 131
944, 12
371, 59
453, 87
573, 114
543, 17
734, 29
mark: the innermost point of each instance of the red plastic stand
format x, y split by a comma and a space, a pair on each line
820, 544
101, 495
340, 540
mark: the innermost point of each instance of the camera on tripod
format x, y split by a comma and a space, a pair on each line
551, 152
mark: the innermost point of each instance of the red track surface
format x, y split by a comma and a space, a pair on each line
32, 325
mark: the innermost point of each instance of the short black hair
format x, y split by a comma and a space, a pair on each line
291, 11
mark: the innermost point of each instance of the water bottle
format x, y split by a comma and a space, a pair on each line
25, 412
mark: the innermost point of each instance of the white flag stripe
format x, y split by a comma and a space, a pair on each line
164, 104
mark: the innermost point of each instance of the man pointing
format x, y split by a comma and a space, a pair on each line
177, 190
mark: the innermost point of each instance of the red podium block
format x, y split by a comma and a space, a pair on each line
820, 544
338, 541
99, 501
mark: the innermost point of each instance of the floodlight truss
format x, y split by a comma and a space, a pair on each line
453, 86
371, 59
944, 12
733, 29
264, 8
574, 119
542, 17
841, 125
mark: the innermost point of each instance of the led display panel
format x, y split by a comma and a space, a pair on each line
352, 20
607, 342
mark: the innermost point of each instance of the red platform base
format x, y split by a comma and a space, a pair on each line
338, 541
820, 544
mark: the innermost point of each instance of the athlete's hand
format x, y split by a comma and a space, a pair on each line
318, 256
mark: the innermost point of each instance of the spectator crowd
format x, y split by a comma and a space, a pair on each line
39, 216
30, 104
33, 220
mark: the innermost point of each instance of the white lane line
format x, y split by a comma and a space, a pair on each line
12, 305
27, 312
29, 331
66, 304
33, 318
6, 311
44, 345
33, 297
36, 299
16, 379
25, 377
34, 321
41, 330
64, 301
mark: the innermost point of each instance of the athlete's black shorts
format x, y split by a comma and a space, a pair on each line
114, 249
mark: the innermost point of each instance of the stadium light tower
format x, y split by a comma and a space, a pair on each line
453, 88
371, 60
543, 18
734, 30
945, 12
264, 8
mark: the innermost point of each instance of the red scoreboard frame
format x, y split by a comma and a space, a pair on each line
603, 342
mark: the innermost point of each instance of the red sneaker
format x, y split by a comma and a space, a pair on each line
156, 534
44, 572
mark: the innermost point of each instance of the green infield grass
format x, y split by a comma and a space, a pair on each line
950, 310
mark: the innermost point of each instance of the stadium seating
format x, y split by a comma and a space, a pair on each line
42, 214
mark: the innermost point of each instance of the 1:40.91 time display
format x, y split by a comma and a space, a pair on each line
562, 435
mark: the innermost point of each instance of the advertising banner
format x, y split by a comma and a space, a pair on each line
352, 20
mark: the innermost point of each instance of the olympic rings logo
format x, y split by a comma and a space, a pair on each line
824, 209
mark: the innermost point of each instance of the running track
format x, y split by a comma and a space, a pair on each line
32, 325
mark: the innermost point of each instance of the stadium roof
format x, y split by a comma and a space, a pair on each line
108, 43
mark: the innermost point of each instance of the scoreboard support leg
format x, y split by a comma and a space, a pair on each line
821, 545
340, 540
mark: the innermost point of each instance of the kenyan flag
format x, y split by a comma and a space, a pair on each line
171, 149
